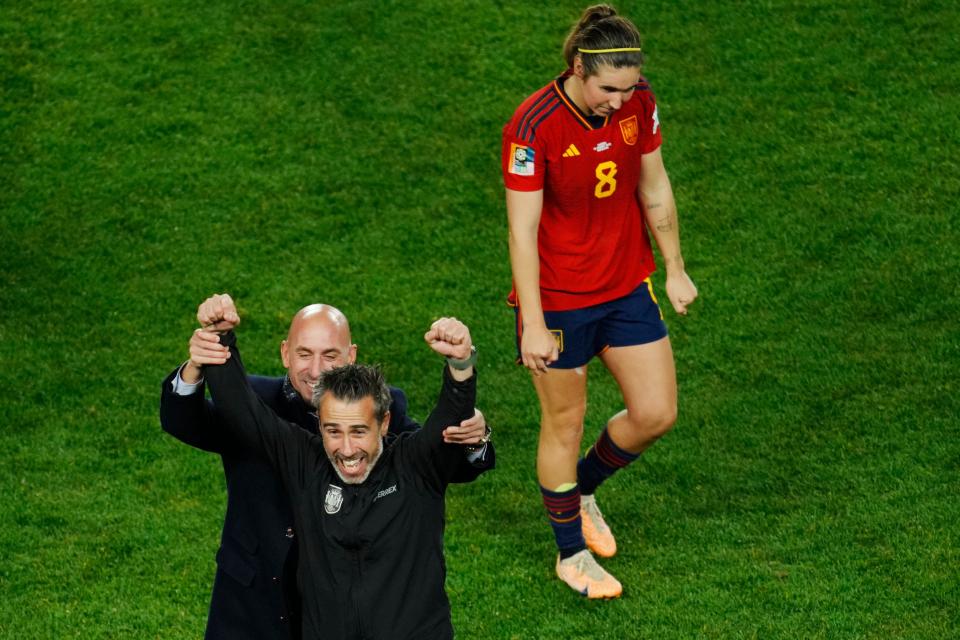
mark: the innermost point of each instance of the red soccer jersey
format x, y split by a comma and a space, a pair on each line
592, 240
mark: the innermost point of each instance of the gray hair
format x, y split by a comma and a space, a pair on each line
353, 383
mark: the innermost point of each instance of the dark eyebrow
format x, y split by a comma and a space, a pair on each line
348, 427
610, 88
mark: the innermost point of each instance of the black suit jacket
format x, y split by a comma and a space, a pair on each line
254, 591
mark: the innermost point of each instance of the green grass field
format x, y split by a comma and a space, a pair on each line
287, 152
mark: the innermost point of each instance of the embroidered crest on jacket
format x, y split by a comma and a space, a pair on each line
333, 500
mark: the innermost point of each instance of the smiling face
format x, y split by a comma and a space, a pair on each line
352, 437
604, 92
318, 340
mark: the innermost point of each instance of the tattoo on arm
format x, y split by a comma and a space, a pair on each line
665, 223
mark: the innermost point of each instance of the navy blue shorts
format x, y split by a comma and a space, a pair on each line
583, 333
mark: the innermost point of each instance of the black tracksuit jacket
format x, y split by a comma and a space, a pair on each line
371, 560
254, 591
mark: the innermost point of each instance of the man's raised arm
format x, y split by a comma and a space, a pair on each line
184, 412
242, 413
450, 338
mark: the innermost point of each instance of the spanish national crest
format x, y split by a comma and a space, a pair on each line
333, 500
630, 130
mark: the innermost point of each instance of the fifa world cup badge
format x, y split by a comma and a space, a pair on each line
521, 160
333, 500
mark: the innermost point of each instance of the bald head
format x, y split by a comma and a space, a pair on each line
318, 340
319, 314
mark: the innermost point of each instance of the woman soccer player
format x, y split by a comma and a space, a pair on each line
585, 180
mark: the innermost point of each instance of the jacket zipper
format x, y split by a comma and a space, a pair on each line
356, 597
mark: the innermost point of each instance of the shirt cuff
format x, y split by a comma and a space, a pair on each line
476, 456
181, 388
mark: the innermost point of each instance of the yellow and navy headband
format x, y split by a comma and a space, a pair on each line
608, 50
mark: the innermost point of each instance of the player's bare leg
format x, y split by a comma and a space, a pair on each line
647, 377
563, 402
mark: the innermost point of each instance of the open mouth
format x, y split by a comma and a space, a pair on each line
355, 468
352, 465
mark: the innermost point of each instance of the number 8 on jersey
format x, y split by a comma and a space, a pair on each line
607, 182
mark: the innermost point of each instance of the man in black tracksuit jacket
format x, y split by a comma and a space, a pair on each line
371, 554
254, 593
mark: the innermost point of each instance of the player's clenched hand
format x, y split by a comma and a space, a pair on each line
218, 313
471, 431
449, 337
681, 291
538, 348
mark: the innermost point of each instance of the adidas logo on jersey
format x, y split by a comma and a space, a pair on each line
571, 151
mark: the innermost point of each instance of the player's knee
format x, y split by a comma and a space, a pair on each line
657, 420
664, 419
564, 429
